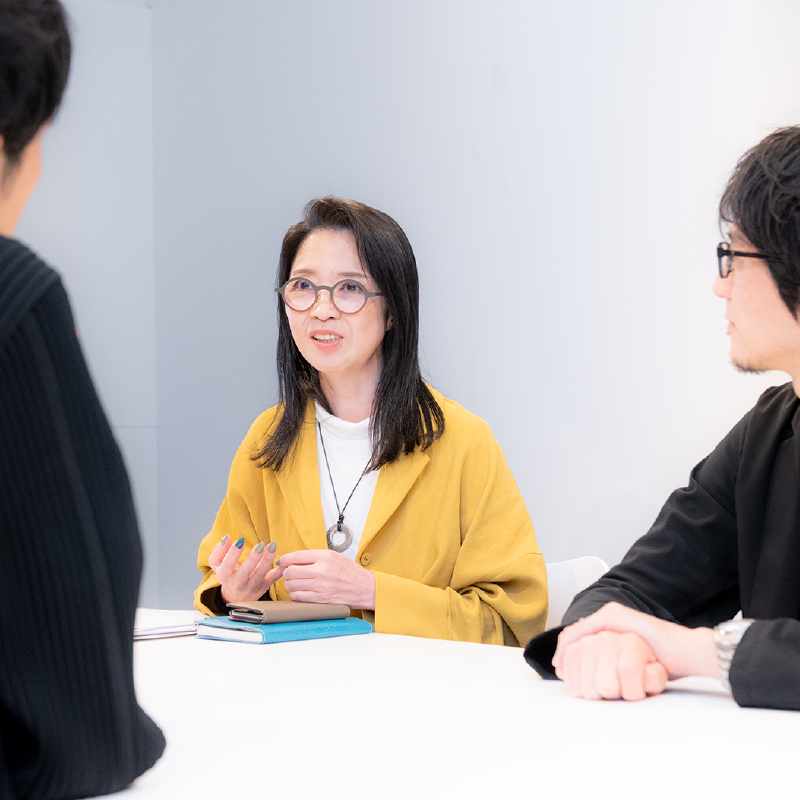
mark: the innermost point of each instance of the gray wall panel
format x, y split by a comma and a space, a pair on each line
139, 446
574, 154
91, 218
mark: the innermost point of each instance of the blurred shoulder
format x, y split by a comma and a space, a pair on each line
22, 272
24, 279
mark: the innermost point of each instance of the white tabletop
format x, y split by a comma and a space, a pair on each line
379, 716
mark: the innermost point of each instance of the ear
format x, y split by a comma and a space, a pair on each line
3, 162
389, 323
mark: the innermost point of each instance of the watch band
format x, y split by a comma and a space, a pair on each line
727, 636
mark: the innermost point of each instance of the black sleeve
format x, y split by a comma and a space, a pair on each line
70, 725
684, 569
765, 672
212, 598
540, 650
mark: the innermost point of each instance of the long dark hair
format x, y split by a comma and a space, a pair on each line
405, 414
762, 199
35, 53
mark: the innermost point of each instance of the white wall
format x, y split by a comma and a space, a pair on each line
92, 219
573, 152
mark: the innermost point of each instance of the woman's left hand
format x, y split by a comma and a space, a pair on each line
323, 576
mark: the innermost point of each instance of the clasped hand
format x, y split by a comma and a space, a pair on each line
619, 653
323, 576
312, 576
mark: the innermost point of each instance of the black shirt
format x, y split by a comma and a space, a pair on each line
71, 563
730, 540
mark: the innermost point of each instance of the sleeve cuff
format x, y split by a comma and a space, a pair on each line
212, 600
409, 608
540, 651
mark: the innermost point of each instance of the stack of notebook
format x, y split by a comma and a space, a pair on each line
266, 621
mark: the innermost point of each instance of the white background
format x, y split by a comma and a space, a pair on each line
569, 155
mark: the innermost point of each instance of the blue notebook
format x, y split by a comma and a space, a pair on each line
226, 629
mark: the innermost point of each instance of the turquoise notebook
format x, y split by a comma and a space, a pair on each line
230, 630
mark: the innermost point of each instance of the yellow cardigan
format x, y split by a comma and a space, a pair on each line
448, 537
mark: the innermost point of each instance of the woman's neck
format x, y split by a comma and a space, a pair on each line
349, 400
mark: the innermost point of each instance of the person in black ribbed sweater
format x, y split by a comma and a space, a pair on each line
70, 725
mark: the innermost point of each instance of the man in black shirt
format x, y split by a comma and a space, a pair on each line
730, 540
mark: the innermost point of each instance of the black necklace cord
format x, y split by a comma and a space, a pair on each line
330, 475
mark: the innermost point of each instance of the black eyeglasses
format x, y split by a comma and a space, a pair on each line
725, 258
348, 296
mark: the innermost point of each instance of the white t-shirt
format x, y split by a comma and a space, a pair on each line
349, 451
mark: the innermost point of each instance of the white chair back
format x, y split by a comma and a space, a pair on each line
565, 579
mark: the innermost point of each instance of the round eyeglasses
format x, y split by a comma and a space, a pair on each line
347, 295
725, 258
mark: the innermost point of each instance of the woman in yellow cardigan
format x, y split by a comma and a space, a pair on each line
364, 486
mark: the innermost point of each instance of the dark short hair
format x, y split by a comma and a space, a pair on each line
405, 414
762, 199
35, 52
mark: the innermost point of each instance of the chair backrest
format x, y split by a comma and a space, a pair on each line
565, 579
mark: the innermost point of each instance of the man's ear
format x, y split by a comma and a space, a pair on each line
3, 163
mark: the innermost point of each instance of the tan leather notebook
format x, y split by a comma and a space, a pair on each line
263, 612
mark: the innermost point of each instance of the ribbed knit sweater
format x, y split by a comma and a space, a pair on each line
71, 560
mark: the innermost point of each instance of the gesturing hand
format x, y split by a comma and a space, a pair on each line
250, 579
323, 576
621, 653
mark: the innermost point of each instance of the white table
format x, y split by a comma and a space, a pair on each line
379, 716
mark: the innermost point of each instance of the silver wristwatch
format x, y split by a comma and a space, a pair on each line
727, 636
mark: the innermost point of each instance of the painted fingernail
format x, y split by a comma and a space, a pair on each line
239, 543
223, 539
278, 563
259, 548
272, 547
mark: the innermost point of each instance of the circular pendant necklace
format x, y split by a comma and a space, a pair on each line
338, 530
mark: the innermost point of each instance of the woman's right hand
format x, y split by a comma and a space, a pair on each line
249, 580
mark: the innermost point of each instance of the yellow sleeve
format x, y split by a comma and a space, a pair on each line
498, 590
242, 513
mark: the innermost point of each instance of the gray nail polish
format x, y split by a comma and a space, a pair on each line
278, 563
272, 547
259, 548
